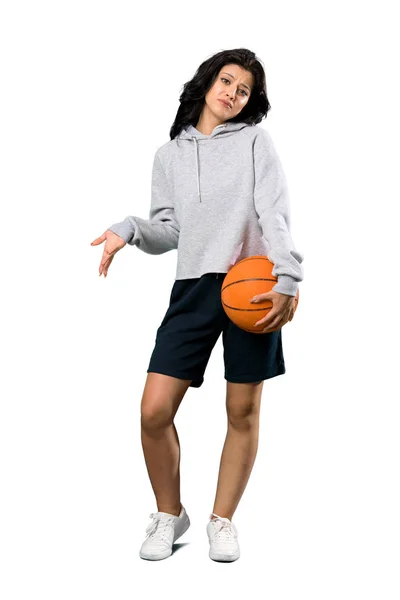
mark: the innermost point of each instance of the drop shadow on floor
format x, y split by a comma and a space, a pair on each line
176, 547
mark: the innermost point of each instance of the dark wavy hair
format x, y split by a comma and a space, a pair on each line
194, 91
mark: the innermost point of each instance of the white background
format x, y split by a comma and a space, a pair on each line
89, 91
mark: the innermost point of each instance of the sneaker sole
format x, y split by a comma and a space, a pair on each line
159, 556
224, 557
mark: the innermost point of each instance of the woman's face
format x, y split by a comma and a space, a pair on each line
233, 85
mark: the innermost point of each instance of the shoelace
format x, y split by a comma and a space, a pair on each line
224, 528
158, 527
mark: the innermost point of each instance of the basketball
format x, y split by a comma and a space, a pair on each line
249, 277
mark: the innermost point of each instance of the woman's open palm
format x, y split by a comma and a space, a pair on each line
113, 243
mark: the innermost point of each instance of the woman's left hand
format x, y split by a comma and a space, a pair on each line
282, 311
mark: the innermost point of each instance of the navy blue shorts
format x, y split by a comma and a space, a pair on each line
191, 327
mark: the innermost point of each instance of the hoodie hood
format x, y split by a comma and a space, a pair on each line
194, 136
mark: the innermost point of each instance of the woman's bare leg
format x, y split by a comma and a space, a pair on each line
240, 448
161, 399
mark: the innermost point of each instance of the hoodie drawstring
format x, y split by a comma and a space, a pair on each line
189, 130
197, 166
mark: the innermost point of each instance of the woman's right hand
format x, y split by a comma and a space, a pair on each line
113, 244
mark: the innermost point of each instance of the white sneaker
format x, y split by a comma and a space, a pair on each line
162, 533
222, 535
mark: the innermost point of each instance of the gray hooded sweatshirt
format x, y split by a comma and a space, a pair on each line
218, 198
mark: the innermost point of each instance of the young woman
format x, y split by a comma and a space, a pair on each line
219, 194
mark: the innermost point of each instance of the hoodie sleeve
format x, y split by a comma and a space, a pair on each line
160, 232
273, 209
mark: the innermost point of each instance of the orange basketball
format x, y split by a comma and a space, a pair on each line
247, 278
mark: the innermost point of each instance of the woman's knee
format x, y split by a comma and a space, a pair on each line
161, 399
155, 416
243, 404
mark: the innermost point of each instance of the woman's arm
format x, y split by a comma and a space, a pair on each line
160, 232
272, 205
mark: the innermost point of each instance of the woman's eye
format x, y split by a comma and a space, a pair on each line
224, 79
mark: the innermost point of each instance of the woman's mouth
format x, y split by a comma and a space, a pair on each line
224, 103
